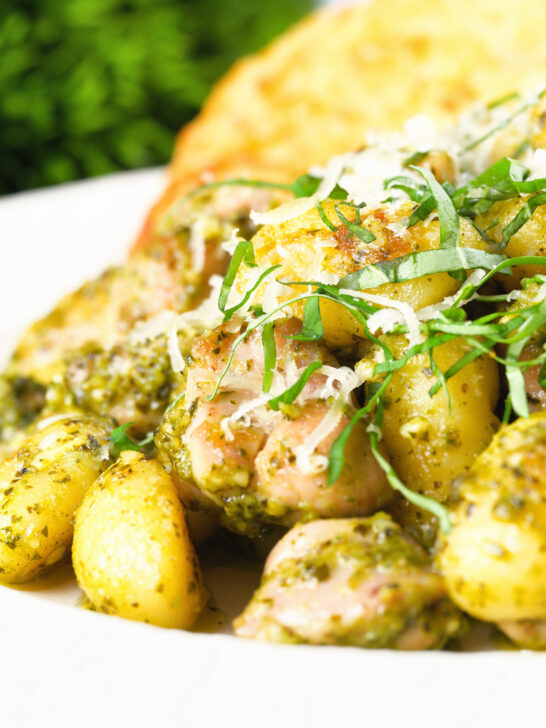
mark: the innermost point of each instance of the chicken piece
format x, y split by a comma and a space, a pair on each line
100, 313
229, 204
283, 480
170, 273
130, 383
254, 463
528, 634
358, 581
494, 558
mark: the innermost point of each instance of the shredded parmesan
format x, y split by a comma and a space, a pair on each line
347, 378
373, 428
537, 164
399, 228
301, 205
404, 310
540, 295
152, 328
242, 413
197, 244
230, 245
175, 355
283, 213
306, 459
272, 297
205, 317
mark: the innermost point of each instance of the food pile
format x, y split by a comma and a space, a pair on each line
350, 367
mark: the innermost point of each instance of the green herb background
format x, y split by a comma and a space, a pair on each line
94, 86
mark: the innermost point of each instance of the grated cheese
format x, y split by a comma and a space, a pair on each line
234, 239
197, 244
540, 295
242, 413
301, 205
404, 310
347, 378
537, 164
175, 355
306, 459
283, 213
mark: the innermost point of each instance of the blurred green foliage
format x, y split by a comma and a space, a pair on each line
93, 86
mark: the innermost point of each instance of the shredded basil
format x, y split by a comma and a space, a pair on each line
502, 100
270, 355
411, 187
241, 252
423, 263
516, 382
228, 313
325, 219
421, 501
121, 441
499, 127
312, 328
355, 228
306, 185
523, 216
450, 228
415, 158
290, 394
239, 182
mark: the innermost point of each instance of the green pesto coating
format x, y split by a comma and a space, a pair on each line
130, 383
21, 400
242, 510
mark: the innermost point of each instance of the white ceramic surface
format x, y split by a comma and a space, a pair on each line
64, 666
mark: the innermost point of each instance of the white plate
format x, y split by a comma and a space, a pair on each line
60, 665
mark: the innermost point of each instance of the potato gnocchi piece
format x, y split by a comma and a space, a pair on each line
529, 239
494, 559
99, 314
358, 581
132, 553
41, 487
430, 441
306, 249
